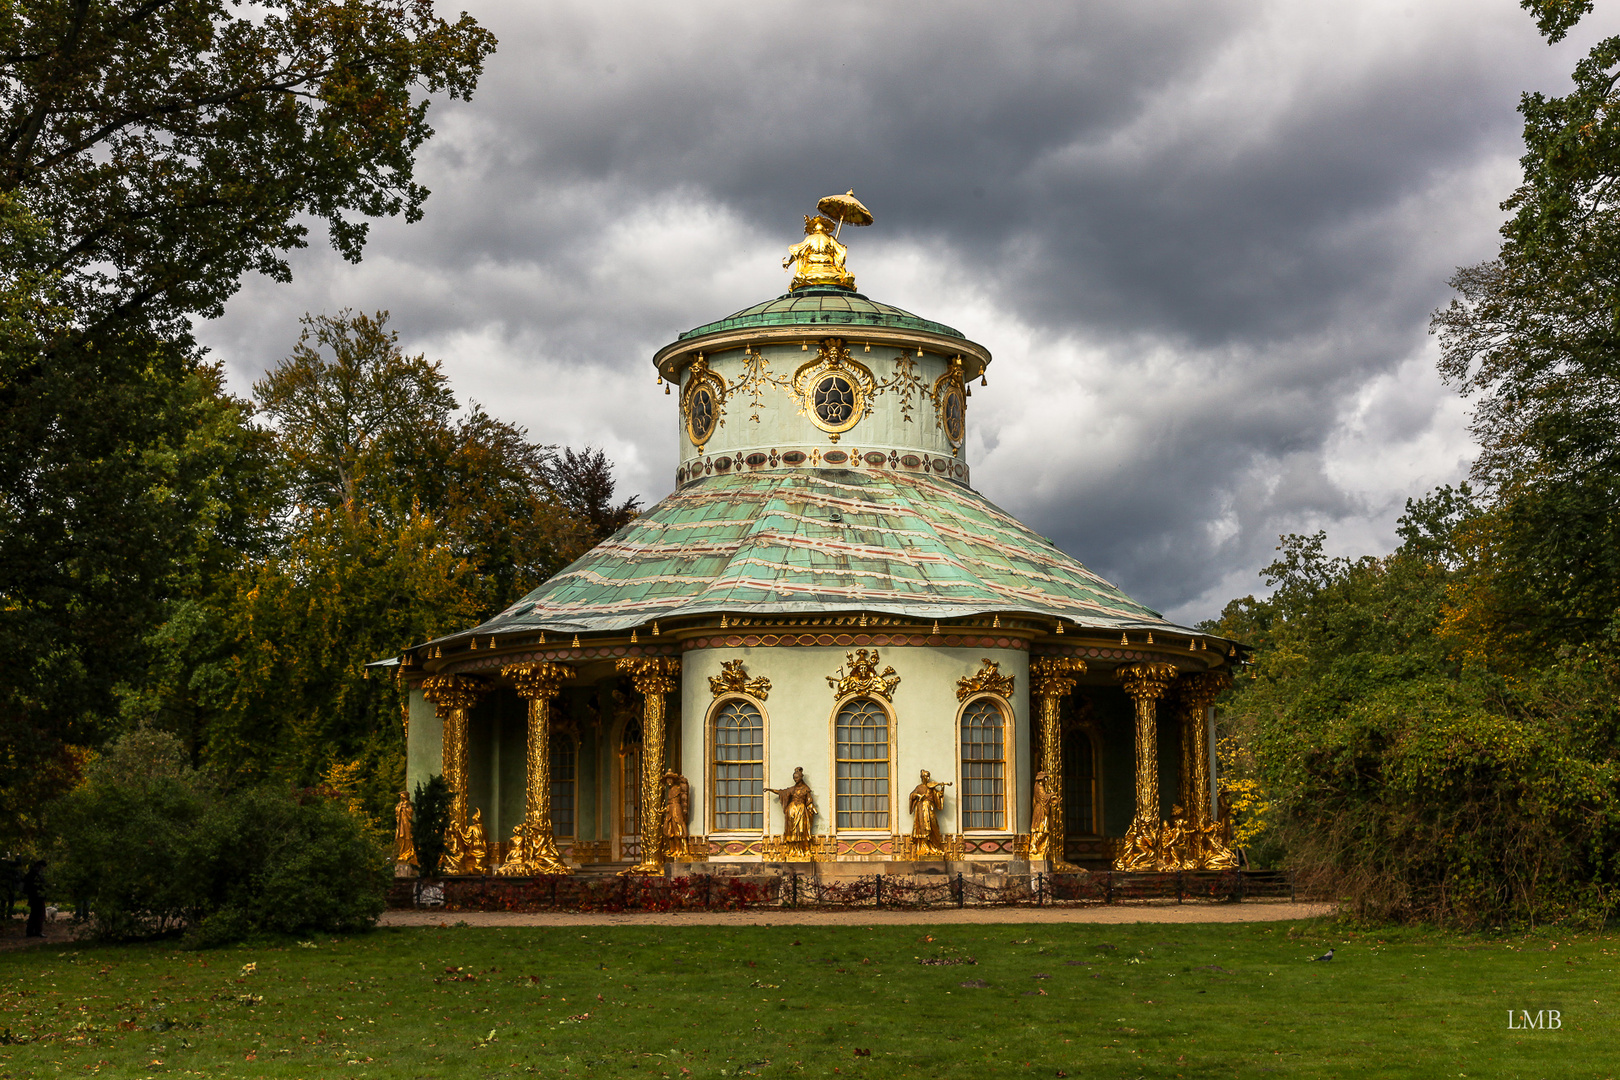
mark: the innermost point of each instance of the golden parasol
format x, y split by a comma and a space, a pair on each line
845, 209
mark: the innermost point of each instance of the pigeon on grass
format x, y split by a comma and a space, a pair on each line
1325, 956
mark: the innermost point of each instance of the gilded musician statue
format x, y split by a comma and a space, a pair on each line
404, 842
475, 845
1040, 824
677, 810
798, 815
818, 259
927, 799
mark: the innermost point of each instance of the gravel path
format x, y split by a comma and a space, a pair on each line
1152, 911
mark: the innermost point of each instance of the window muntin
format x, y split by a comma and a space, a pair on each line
954, 409
862, 736
833, 400
702, 414
562, 786
739, 767
984, 766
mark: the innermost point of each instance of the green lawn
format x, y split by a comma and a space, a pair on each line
1042, 1000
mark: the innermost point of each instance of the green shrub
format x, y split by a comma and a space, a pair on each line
154, 847
278, 862
430, 817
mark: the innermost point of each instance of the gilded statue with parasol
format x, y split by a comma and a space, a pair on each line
818, 259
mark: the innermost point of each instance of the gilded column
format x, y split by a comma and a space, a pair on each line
1196, 693
1146, 684
1050, 679
534, 845
653, 677
452, 696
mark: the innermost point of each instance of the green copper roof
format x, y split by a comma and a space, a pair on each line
821, 305
818, 540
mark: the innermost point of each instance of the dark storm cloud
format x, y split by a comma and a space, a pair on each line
1202, 238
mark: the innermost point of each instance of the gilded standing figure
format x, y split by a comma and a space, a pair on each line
677, 805
927, 799
798, 814
404, 842
1040, 825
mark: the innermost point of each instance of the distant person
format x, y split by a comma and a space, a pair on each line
33, 884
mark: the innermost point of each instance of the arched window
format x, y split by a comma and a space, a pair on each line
1080, 788
562, 784
862, 733
739, 766
984, 766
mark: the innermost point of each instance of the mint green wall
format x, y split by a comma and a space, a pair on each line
799, 716
782, 424
424, 744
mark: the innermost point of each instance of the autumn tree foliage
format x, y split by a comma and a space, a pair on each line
1437, 731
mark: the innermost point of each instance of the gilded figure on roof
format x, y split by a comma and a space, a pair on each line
818, 259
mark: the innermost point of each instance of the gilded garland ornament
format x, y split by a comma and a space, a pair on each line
988, 680
862, 677
733, 679
834, 390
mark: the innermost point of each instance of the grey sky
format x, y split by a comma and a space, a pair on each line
1202, 239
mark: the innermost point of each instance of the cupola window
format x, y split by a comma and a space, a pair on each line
701, 415
834, 401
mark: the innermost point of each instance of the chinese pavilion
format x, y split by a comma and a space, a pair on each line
824, 608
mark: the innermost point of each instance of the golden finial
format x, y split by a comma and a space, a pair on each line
723, 623
542, 640
1124, 639
995, 623
474, 645
1150, 637
576, 641
1060, 626
633, 637
936, 627
655, 628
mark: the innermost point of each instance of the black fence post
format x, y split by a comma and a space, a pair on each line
1040, 889
795, 875
1178, 886
1291, 896
880, 890
961, 891
624, 892
1108, 887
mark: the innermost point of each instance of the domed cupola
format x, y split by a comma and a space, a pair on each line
823, 377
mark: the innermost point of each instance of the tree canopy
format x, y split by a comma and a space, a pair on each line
173, 145
1436, 731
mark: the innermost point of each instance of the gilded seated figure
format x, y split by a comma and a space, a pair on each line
474, 844
818, 259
